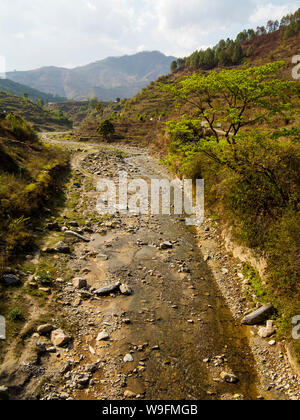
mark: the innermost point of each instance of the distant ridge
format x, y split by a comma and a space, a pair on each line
9, 86
107, 79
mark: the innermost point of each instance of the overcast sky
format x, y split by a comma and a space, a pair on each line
69, 33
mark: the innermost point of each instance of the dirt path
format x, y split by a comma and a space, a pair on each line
175, 326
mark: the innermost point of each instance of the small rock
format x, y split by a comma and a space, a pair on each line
53, 226
10, 280
62, 248
103, 336
79, 283
91, 368
166, 245
108, 290
128, 358
76, 235
129, 394
259, 316
45, 329
126, 290
102, 257
59, 338
267, 331
229, 378
272, 343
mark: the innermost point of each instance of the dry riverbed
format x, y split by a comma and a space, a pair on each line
164, 330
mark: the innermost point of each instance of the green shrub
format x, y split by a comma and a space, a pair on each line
16, 315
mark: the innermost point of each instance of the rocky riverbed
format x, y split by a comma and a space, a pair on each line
144, 313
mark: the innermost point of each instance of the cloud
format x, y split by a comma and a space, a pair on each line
76, 32
269, 11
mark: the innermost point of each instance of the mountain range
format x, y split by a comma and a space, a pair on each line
108, 79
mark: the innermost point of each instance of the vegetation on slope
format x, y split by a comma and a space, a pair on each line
30, 176
251, 164
234, 52
41, 118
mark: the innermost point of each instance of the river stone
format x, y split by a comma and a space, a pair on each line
79, 283
128, 358
11, 280
259, 316
76, 235
62, 248
45, 329
102, 336
129, 394
53, 226
108, 290
166, 245
229, 378
59, 338
267, 331
126, 290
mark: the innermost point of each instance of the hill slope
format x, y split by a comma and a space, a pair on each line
7, 85
40, 118
107, 79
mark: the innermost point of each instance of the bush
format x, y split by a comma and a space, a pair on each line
20, 128
16, 315
107, 130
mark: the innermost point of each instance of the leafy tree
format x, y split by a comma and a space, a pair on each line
237, 55
173, 66
107, 130
99, 108
250, 51
40, 102
238, 98
93, 102
181, 63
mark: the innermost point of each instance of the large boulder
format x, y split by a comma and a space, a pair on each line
259, 316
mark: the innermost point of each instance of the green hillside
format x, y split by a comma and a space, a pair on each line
41, 118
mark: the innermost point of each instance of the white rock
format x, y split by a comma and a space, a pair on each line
128, 358
102, 336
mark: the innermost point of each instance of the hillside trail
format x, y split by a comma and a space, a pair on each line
176, 326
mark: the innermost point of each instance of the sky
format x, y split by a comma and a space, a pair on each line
70, 33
